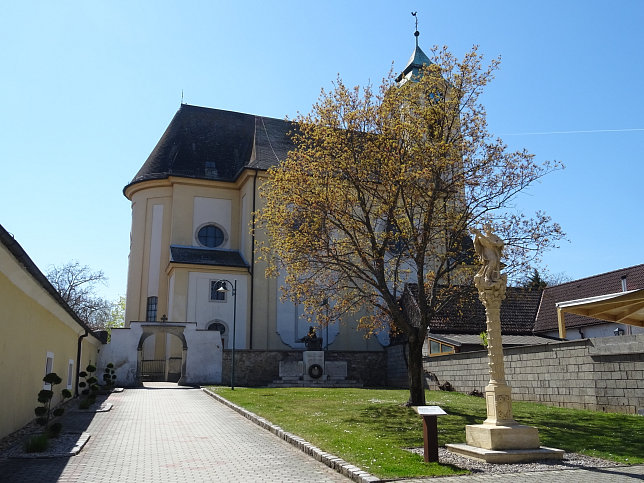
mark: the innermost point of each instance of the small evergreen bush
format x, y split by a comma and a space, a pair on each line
89, 385
36, 443
44, 413
54, 429
109, 376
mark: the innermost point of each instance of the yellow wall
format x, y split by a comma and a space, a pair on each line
177, 196
31, 325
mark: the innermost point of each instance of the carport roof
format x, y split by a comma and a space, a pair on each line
622, 307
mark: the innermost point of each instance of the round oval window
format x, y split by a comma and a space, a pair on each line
210, 236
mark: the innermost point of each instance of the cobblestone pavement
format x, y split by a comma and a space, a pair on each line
615, 474
162, 434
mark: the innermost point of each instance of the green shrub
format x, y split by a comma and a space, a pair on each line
54, 429
109, 375
36, 443
45, 396
90, 385
52, 378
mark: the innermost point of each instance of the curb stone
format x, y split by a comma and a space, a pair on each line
81, 440
332, 461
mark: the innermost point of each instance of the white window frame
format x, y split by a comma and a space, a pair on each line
49, 367
70, 374
225, 299
216, 225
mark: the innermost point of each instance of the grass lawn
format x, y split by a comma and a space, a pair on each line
370, 427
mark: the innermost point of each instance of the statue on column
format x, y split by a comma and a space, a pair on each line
498, 438
489, 248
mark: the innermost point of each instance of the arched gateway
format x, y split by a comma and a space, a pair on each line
164, 351
161, 353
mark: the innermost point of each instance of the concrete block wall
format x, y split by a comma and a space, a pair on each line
603, 374
397, 366
260, 368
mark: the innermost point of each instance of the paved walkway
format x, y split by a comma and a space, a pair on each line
168, 434
161, 434
615, 474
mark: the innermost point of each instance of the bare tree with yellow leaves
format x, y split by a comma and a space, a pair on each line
382, 189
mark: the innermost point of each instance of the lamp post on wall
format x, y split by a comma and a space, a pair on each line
222, 288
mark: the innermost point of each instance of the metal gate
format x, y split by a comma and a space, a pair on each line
174, 369
152, 370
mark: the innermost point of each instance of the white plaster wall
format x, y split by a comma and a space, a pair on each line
594, 331
202, 310
122, 352
204, 357
212, 210
155, 251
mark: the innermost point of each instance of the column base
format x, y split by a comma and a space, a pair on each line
497, 437
506, 456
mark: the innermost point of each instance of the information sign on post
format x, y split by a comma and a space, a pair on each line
430, 430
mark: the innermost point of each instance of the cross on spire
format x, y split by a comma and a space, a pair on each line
416, 33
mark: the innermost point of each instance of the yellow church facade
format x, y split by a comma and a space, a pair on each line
192, 254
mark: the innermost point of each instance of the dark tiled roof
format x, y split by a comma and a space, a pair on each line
466, 314
206, 256
272, 141
602, 284
23, 259
213, 144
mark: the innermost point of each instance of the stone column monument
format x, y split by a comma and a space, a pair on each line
500, 438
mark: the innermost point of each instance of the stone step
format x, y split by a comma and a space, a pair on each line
327, 383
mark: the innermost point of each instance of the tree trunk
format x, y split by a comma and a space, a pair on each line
415, 372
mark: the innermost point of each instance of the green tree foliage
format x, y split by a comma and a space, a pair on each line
535, 282
45, 396
382, 189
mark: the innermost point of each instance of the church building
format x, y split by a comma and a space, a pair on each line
193, 256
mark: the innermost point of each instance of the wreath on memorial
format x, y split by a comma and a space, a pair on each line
315, 371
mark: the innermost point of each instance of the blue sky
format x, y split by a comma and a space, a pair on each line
89, 87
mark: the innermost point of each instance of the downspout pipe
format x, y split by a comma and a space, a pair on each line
78, 360
252, 261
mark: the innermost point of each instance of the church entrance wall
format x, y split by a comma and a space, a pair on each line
174, 352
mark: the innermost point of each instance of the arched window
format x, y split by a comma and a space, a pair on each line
218, 326
223, 331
